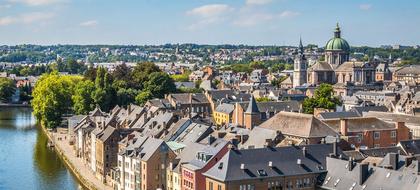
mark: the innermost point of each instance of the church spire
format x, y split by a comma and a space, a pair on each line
337, 32
300, 45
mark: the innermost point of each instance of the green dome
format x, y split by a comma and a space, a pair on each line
337, 43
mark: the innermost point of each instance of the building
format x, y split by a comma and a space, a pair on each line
142, 164
292, 167
223, 113
369, 132
409, 73
300, 67
337, 50
299, 128
252, 114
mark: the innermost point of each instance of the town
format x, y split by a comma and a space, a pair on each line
324, 118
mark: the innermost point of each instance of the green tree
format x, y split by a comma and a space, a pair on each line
263, 99
323, 98
7, 89
159, 84
82, 98
52, 98
143, 97
142, 71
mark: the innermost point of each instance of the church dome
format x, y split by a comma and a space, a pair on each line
337, 43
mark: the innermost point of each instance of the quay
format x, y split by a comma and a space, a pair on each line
75, 165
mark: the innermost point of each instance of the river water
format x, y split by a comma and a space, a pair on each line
25, 161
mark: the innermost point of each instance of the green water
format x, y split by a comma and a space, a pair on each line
25, 161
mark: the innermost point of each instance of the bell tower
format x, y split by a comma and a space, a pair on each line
300, 67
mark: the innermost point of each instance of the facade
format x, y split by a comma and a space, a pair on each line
223, 114
142, 164
300, 67
274, 168
367, 132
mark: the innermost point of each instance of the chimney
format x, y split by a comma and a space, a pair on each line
231, 147
211, 139
304, 151
242, 166
268, 143
270, 164
408, 160
343, 127
393, 160
363, 172
299, 162
350, 164
399, 124
335, 152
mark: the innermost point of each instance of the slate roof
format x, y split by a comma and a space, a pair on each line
412, 69
185, 84
338, 115
184, 98
252, 106
373, 152
411, 146
284, 162
257, 137
142, 147
339, 177
298, 124
225, 108
360, 109
275, 106
229, 95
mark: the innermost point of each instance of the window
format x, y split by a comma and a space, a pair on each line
393, 134
376, 135
210, 185
377, 145
219, 187
359, 137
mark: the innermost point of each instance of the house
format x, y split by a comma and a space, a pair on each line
205, 158
369, 132
142, 164
106, 150
189, 103
299, 128
223, 113
291, 167
398, 174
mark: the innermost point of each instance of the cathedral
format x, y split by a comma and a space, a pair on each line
336, 68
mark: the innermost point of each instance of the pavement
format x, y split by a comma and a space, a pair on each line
61, 140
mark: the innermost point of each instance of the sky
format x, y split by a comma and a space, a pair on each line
249, 22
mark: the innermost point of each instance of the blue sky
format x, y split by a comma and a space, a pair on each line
252, 22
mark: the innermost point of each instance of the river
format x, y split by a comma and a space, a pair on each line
25, 161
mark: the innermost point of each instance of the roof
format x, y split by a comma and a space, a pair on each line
337, 115
275, 106
393, 117
411, 146
225, 108
361, 109
320, 66
184, 98
360, 124
298, 124
337, 43
252, 106
257, 137
340, 177
143, 147
411, 69
349, 65
284, 162
185, 84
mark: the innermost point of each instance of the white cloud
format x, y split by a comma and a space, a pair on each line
210, 10
289, 14
36, 2
252, 19
365, 7
89, 23
258, 2
209, 14
248, 19
27, 18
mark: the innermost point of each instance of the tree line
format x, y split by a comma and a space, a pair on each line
55, 95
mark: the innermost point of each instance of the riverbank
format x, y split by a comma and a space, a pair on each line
15, 105
75, 165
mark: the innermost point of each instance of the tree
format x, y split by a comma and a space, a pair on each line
52, 98
7, 89
159, 84
122, 72
323, 98
263, 99
82, 98
142, 71
143, 97
104, 94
